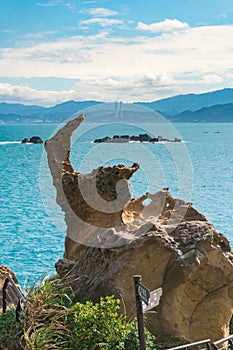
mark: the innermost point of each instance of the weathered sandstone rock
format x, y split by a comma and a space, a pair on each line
111, 237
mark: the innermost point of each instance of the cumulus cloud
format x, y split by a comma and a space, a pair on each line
128, 90
26, 95
141, 67
201, 50
107, 90
168, 25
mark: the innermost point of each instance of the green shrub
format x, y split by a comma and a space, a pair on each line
10, 330
53, 319
100, 326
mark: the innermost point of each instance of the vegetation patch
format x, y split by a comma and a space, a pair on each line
55, 319
10, 331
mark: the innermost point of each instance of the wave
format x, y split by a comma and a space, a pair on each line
9, 142
147, 142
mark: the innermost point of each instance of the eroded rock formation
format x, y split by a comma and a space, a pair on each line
111, 237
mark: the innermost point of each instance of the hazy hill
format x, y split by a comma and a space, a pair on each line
70, 107
192, 102
17, 108
211, 106
218, 113
11, 113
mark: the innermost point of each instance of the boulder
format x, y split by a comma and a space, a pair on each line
35, 139
111, 237
144, 137
104, 139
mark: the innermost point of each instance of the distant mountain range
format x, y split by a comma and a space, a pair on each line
218, 113
214, 106
18, 113
192, 102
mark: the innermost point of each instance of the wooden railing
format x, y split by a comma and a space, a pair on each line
12, 297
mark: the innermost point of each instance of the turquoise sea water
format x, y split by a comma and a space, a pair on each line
32, 227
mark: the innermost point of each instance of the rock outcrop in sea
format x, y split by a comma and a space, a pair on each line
137, 138
111, 237
33, 139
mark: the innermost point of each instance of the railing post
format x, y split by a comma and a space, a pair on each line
141, 333
4, 305
17, 311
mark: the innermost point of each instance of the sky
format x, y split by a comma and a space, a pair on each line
53, 51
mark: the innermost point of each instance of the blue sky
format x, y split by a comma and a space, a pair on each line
52, 51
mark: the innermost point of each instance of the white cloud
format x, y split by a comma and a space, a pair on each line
127, 90
141, 67
49, 3
107, 90
39, 35
101, 11
57, 52
212, 79
24, 94
102, 22
202, 50
52, 3
168, 25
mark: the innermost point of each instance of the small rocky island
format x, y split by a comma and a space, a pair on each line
139, 138
33, 139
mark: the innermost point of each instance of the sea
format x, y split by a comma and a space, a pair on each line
199, 169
